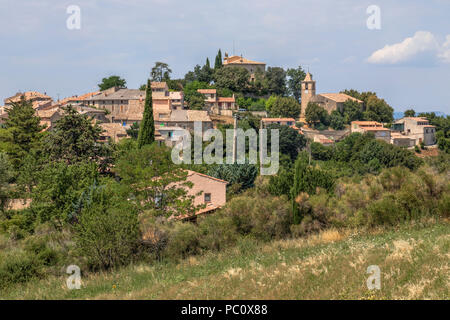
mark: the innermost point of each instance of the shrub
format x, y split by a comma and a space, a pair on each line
217, 232
107, 233
263, 219
18, 267
183, 241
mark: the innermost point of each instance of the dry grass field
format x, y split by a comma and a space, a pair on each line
414, 263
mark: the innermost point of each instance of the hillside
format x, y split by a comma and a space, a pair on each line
414, 263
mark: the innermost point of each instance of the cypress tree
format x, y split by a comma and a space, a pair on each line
218, 61
147, 127
207, 63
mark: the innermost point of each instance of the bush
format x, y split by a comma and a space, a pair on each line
264, 219
217, 232
107, 233
184, 240
18, 267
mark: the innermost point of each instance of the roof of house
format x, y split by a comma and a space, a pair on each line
78, 98
368, 123
190, 173
376, 129
121, 94
47, 113
278, 119
239, 60
198, 115
178, 95
28, 95
204, 91
189, 115
339, 97
111, 129
226, 99
159, 85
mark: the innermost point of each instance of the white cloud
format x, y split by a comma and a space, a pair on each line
444, 53
423, 43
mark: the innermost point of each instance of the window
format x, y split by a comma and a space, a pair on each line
207, 197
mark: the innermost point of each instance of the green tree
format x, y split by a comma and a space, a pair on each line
218, 61
337, 121
290, 141
21, 132
409, 113
307, 179
133, 131
196, 101
235, 79
239, 176
6, 173
286, 107
378, 110
58, 188
160, 72
147, 128
352, 111
275, 78
157, 184
107, 233
295, 78
74, 139
316, 114
112, 81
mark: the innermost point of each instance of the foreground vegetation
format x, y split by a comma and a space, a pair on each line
330, 265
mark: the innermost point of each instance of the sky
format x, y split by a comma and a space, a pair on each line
404, 56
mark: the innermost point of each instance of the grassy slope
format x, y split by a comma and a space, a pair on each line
414, 264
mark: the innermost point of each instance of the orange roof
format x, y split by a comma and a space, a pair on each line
226, 99
277, 119
190, 173
239, 60
159, 85
367, 123
203, 91
339, 97
376, 129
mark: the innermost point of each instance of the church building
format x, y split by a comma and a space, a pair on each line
328, 101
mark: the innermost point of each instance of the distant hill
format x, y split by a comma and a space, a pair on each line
399, 114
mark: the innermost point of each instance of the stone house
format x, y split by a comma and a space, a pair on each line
416, 128
185, 119
239, 61
208, 191
218, 105
371, 126
38, 100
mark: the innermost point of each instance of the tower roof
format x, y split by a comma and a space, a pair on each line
308, 77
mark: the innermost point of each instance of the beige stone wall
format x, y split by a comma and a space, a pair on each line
204, 184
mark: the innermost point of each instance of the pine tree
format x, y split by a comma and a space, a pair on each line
22, 132
147, 127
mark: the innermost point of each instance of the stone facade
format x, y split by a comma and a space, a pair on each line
416, 128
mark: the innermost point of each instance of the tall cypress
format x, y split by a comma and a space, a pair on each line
218, 61
147, 127
207, 63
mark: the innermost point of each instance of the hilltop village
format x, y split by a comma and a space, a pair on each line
90, 181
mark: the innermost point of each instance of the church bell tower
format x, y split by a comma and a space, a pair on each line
308, 91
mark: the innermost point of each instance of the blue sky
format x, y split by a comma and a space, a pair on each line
407, 61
